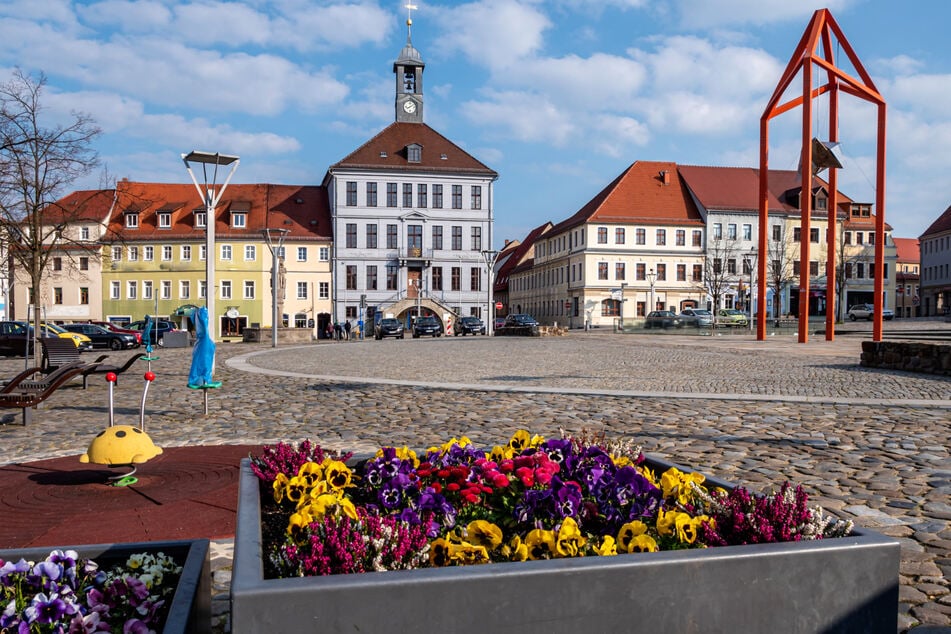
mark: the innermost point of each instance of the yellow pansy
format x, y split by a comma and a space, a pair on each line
337, 474
666, 522
298, 522
311, 471
313, 493
536, 441
468, 554
296, 488
643, 544
688, 528
607, 547
498, 454
649, 474
440, 553
328, 503
484, 533
405, 453
515, 550
627, 534
280, 482
519, 441
570, 541
676, 484
540, 543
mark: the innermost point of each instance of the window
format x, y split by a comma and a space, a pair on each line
847, 237
57, 295
457, 238
455, 273
200, 219
697, 273
731, 266
202, 252
814, 268
476, 197
225, 289
717, 266
457, 196
681, 238
414, 153
83, 263
132, 221
871, 237
371, 194
184, 289
133, 254
610, 308
371, 236
619, 235
351, 235
351, 277
437, 237
57, 263
859, 237
324, 253
640, 271
202, 289
717, 231
323, 290
186, 252
661, 272
391, 236
731, 231
747, 232
250, 253
84, 233
475, 279
414, 238
795, 267
148, 253
116, 254
371, 278
84, 295
661, 237
300, 320
249, 289
167, 253
681, 272
392, 271
166, 289
437, 278
302, 290
147, 289
437, 196
602, 270
640, 236
814, 235
747, 266
797, 234
391, 194
619, 270
476, 238
602, 235
697, 238
407, 194
226, 252
777, 233
165, 221
351, 193
421, 196
114, 290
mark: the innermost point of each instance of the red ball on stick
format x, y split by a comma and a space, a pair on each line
111, 377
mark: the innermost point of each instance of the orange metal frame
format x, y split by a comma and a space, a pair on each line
821, 30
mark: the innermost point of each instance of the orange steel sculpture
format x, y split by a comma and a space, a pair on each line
821, 30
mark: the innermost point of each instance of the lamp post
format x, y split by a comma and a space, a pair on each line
490, 255
651, 278
751, 259
210, 198
621, 310
275, 242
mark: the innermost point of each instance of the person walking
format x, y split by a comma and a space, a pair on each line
347, 327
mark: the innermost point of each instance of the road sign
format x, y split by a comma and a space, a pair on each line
567, 304
498, 305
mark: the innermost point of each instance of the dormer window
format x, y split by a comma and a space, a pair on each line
239, 219
132, 220
200, 218
164, 220
414, 153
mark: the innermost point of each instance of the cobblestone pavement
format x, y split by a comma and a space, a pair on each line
867, 444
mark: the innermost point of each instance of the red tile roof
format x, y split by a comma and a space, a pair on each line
84, 205
302, 210
908, 249
941, 225
522, 249
387, 150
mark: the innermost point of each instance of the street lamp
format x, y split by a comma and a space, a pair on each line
490, 255
621, 310
651, 278
275, 242
210, 198
751, 259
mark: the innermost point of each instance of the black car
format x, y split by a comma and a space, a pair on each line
102, 338
469, 326
159, 329
428, 325
13, 338
389, 327
520, 320
663, 319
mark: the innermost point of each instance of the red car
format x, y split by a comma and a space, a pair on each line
126, 331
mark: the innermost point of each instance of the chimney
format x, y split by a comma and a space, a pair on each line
665, 177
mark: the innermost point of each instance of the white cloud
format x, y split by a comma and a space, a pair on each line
494, 33
525, 116
706, 14
135, 16
600, 82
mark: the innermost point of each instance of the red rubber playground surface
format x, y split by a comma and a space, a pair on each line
184, 493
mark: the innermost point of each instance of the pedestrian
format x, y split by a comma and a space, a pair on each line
337, 330
329, 331
347, 327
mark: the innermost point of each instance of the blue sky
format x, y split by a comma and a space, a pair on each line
558, 96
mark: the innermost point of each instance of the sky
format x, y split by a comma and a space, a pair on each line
557, 96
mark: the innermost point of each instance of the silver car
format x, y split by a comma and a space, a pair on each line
699, 317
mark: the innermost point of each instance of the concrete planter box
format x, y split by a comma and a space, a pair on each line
190, 610
836, 585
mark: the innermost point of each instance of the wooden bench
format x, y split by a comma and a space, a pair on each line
99, 366
59, 352
25, 393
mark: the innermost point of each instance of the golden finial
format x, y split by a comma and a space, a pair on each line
410, 7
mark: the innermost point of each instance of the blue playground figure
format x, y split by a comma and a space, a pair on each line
200, 377
147, 338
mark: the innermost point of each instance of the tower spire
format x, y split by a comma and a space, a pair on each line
409, 76
410, 7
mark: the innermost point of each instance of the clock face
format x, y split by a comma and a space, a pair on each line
409, 107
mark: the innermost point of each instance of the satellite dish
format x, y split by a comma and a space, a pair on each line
232, 313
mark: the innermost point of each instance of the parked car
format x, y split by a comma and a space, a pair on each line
498, 323
519, 320
663, 319
427, 325
160, 328
102, 338
388, 327
52, 330
699, 317
469, 326
867, 311
108, 325
13, 338
732, 317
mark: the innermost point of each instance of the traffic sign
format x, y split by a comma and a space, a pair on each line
567, 304
498, 305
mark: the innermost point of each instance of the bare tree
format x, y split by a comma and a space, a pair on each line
779, 269
719, 269
38, 163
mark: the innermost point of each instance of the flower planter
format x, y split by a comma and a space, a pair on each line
847, 584
190, 610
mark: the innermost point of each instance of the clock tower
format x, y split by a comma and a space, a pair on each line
409, 82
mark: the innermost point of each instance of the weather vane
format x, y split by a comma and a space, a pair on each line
410, 7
